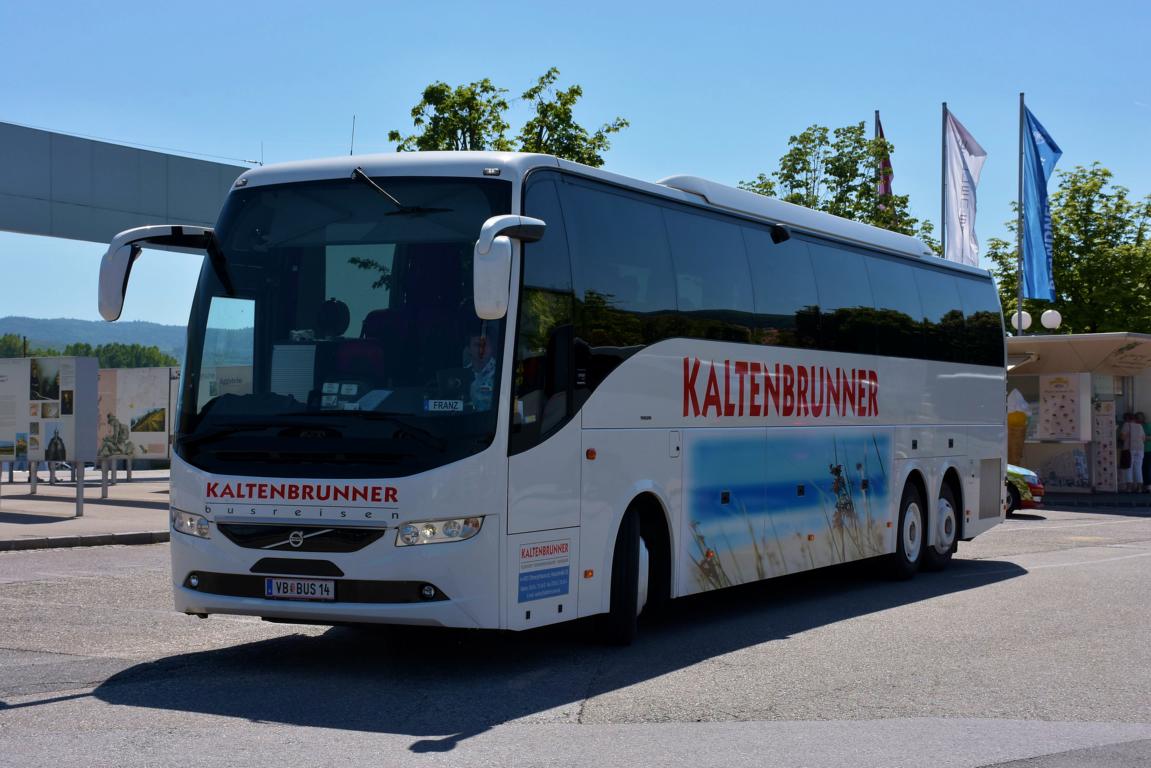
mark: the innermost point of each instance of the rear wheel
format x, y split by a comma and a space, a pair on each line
909, 535
629, 583
938, 552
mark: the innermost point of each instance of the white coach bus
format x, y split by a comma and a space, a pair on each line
620, 393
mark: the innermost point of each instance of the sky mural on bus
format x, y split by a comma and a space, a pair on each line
761, 507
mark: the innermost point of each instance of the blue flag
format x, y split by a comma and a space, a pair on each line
1040, 154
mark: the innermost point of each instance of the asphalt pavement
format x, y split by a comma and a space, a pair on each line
1030, 650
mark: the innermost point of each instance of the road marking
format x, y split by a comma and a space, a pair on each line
1086, 562
1007, 529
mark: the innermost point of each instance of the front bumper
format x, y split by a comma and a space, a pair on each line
381, 583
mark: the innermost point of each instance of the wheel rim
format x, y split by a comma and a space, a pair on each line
945, 536
912, 532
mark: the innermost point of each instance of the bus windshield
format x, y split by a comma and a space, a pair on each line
347, 337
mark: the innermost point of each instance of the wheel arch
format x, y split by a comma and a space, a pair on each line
951, 479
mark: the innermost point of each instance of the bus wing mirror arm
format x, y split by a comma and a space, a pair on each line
116, 266
492, 261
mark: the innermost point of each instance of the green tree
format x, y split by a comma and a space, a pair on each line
838, 171
1101, 256
12, 345
112, 355
472, 117
554, 131
467, 117
116, 355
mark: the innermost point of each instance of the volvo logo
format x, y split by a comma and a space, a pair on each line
296, 538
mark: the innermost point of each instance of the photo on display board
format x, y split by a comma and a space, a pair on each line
49, 410
149, 421
7, 449
21, 445
44, 382
34, 410
34, 428
54, 448
66, 399
33, 443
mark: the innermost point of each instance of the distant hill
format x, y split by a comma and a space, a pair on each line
60, 332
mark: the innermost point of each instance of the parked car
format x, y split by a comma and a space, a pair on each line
1024, 490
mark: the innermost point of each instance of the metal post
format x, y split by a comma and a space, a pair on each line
128, 465
1019, 223
32, 469
79, 490
104, 479
943, 186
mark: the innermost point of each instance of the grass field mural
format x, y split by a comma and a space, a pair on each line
761, 507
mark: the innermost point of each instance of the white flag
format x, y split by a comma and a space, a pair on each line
964, 162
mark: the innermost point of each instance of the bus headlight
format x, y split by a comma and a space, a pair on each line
191, 524
438, 531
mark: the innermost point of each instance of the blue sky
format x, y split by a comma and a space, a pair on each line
712, 90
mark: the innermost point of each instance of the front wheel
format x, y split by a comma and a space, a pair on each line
909, 536
937, 554
629, 583
1013, 500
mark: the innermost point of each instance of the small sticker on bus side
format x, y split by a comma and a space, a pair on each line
544, 570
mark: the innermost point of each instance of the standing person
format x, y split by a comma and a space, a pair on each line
1133, 438
1124, 464
1136, 441
1141, 419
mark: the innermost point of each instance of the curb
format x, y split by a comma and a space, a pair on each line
90, 540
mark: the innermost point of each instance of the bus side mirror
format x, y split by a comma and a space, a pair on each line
116, 266
492, 261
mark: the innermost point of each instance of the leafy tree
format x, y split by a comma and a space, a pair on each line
467, 117
116, 355
471, 117
12, 345
554, 131
112, 355
837, 171
1101, 256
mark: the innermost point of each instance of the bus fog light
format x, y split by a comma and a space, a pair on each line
438, 531
428, 592
190, 524
194, 581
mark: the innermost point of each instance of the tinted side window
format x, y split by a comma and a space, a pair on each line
786, 301
943, 324
898, 313
713, 285
846, 307
624, 281
984, 320
542, 374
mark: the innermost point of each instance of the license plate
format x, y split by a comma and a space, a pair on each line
299, 589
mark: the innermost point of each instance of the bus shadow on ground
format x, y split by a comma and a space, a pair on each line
426, 682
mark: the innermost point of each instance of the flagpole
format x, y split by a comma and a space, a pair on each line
1019, 222
943, 184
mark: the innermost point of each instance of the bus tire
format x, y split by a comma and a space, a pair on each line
937, 554
908, 535
620, 624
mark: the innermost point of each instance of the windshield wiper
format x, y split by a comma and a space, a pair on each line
401, 209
